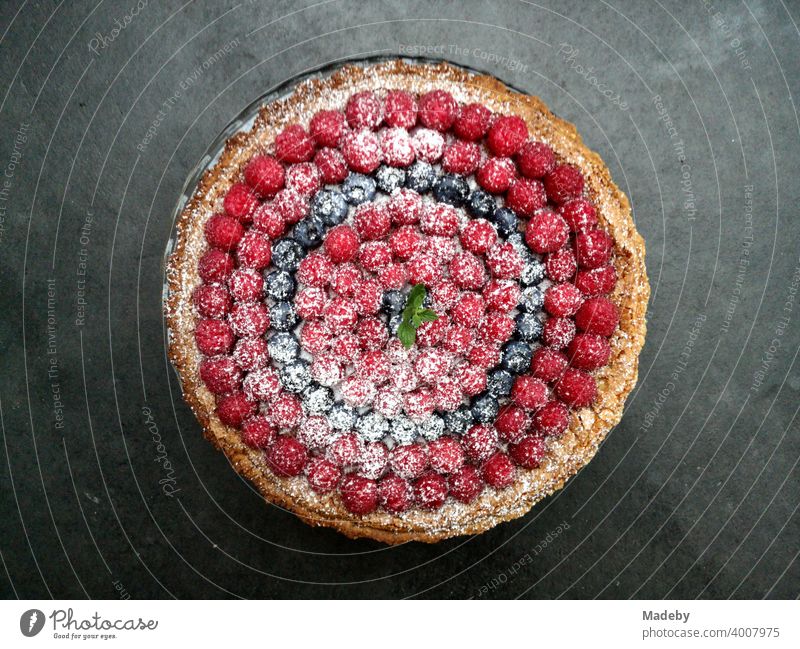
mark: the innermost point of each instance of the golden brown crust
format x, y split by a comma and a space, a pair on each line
588, 427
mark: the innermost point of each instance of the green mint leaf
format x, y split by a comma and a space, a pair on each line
416, 297
407, 334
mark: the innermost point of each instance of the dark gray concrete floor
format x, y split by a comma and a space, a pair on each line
693, 106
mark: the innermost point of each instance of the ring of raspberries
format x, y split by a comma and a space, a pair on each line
306, 278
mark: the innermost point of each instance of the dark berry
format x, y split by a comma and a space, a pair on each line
342, 417
329, 206
317, 399
283, 316
532, 273
481, 205
420, 177
389, 179
358, 189
287, 254
506, 221
393, 301
531, 300
280, 285
295, 376
517, 357
528, 327
499, 383
283, 347
451, 189
485, 408
459, 420
309, 233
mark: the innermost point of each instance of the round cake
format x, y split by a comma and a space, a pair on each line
408, 303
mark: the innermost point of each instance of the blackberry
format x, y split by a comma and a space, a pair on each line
516, 357
283, 317
390, 179
280, 285
531, 299
528, 327
458, 421
518, 243
403, 430
358, 189
309, 233
420, 177
451, 189
372, 427
342, 417
499, 383
295, 376
485, 408
432, 428
532, 272
287, 254
329, 206
506, 221
481, 205
283, 347
317, 399
394, 323
393, 301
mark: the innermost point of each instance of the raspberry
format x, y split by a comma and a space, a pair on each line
251, 353
558, 332
471, 379
478, 236
404, 378
546, 232
418, 405
432, 365
461, 158
504, 261
442, 248
548, 364
430, 491
359, 495
430, 334
345, 449
374, 255
499, 471
213, 337
293, 144
373, 460
423, 269
563, 183
397, 147
315, 270
446, 455
257, 432
405, 207
254, 250
291, 205
444, 294
400, 109
246, 285
506, 135
249, 319
472, 122
501, 295
368, 297
326, 370
512, 423
447, 395
395, 494
346, 279
480, 443
409, 461
285, 412
215, 266
598, 281
341, 244
304, 178
561, 265
372, 221
287, 457
268, 220
323, 475
223, 232
234, 408
265, 175
457, 339
357, 393
536, 160
466, 484
496, 327
362, 151
579, 214
363, 110
576, 388
469, 310
593, 248
528, 452
588, 351
484, 355
240, 202
428, 145
552, 419
372, 334
310, 303
437, 110
211, 301
388, 403
526, 196
496, 175
562, 300
326, 127
598, 315
393, 276
221, 375
315, 337
262, 385
529, 392
340, 315
373, 365
439, 219
467, 271
332, 166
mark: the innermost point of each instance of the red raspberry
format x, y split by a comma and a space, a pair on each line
388, 402
593, 248
372, 221
536, 160
409, 461
598, 281
363, 110
528, 452
461, 158
480, 443
310, 302
332, 166
457, 339
323, 475
484, 355
437, 110
213, 337
372, 333
257, 432
466, 484
552, 419
598, 315
499, 471
359, 495
442, 248
469, 310
254, 250
315, 337
478, 236
529, 391
285, 412
326, 370
221, 375
223, 232
428, 145
341, 244
368, 296
346, 279
472, 122
430, 491
579, 214
404, 378
393, 276
315, 270
374, 255
563, 183
430, 334
439, 219
558, 332
512, 423
397, 147
546, 232
395, 494
246, 285
211, 301
268, 220
405, 207
432, 365
589, 351
262, 385
576, 388
446, 455
358, 393
233, 409
562, 300
215, 266
287, 457
419, 405
447, 395
423, 269
326, 128
265, 175
561, 265
504, 261
340, 315
373, 365
249, 319
362, 151
293, 144
345, 449
251, 353
291, 205
507, 135
400, 109
496, 327
501, 295
444, 294
240, 202
373, 460
471, 379
496, 175
467, 271
525, 197
304, 178
548, 364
